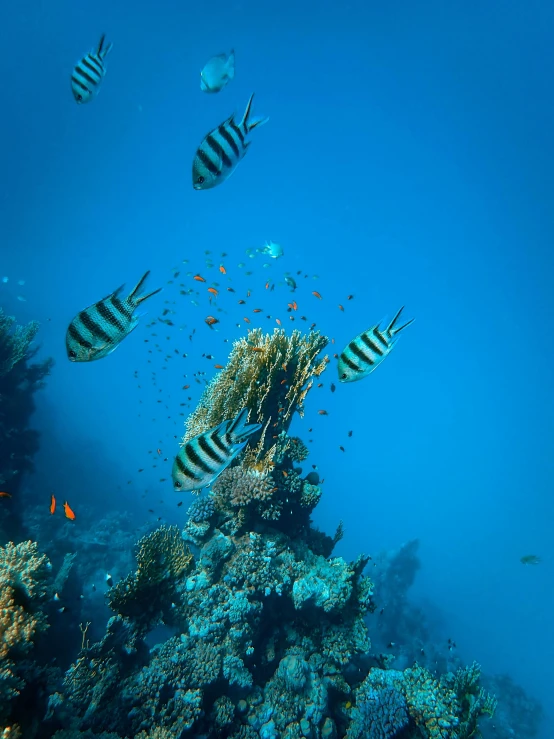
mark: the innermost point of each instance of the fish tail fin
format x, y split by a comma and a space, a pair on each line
231, 65
136, 299
102, 50
392, 330
247, 124
239, 430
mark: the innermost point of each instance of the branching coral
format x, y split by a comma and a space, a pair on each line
270, 374
14, 341
163, 559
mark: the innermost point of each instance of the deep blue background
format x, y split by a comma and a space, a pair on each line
408, 160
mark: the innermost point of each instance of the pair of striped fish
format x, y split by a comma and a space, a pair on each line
366, 352
99, 329
222, 149
202, 459
89, 73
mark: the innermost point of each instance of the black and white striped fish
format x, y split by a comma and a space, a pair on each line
96, 331
203, 458
222, 149
366, 352
89, 73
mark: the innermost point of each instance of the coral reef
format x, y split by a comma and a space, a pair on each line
19, 379
265, 630
24, 588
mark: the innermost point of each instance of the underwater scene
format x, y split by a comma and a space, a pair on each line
220, 516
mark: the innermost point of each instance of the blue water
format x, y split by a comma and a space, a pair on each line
407, 161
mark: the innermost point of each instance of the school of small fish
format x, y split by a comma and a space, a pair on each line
96, 331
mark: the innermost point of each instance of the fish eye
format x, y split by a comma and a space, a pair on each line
343, 376
73, 354
200, 180
178, 484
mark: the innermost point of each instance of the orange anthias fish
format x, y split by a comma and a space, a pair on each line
211, 320
222, 269
213, 291
5, 495
52, 504
68, 512
199, 278
317, 295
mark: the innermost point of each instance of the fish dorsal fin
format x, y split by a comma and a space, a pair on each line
113, 294
136, 299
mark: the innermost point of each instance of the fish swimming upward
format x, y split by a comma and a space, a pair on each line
89, 73
203, 458
96, 331
222, 149
366, 352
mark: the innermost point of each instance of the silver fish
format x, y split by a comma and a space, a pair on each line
222, 149
272, 250
89, 73
366, 352
202, 459
217, 72
96, 331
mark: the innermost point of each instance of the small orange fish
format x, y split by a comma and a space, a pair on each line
257, 310
323, 413
285, 473
213, 291
320, 384
284, 366
52, 505
267, 285
341, 307
257, 348
246, 320
317, 295
159, 451
222, 269
68, 512
199, 278
278, 321
218, 366
5, 495
293, 305
211, 320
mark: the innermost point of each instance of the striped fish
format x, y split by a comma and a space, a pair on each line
204, 457
96, 331
222, 149
366, 352
89, 73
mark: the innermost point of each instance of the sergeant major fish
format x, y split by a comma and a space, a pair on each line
366, 352
203, 458
222, 149
96, 331
217, 72
89, 73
